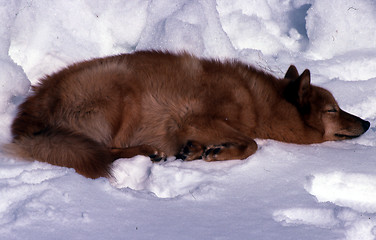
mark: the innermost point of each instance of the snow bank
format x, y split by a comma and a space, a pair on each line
270, 26
51, 34
356, 191
13, 81
186, 25
284, 191
356, 226
329, 37
173, 178
318, 217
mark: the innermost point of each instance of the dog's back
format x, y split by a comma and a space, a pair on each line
74, 117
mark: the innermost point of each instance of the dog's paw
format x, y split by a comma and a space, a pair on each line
190, 151
212, 152
158, 156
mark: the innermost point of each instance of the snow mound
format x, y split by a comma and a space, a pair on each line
357, 226
55, 35
308, 216
353, 190
329, 37
170, 179
348, 199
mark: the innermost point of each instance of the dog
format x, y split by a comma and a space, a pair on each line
161, 104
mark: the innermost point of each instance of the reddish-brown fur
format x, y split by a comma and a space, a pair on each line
163, 104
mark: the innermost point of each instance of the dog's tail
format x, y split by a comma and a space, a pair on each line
63, 148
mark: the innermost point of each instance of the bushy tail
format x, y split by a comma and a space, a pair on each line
64, 148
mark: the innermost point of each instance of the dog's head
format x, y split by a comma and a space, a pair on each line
320, 110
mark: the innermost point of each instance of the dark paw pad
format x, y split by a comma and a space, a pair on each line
190, 151
212, 151
157, 157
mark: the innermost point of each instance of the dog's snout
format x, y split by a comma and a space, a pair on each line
365, 125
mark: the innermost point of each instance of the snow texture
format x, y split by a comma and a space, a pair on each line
284, 191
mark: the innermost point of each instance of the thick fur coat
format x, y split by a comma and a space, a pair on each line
161, 104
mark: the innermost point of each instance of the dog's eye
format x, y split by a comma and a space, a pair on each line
333, 110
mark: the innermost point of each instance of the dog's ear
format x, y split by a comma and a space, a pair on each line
298, 90
304, 91
292, 73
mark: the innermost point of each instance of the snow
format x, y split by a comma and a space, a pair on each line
283, 191
351, 190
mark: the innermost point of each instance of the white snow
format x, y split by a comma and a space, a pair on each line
353, 190
284, 191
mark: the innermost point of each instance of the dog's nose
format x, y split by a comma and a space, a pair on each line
365, 125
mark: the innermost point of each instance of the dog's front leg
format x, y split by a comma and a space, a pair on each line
216, 141
217, 152
229, 150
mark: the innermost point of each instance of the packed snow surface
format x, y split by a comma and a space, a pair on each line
284, 191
